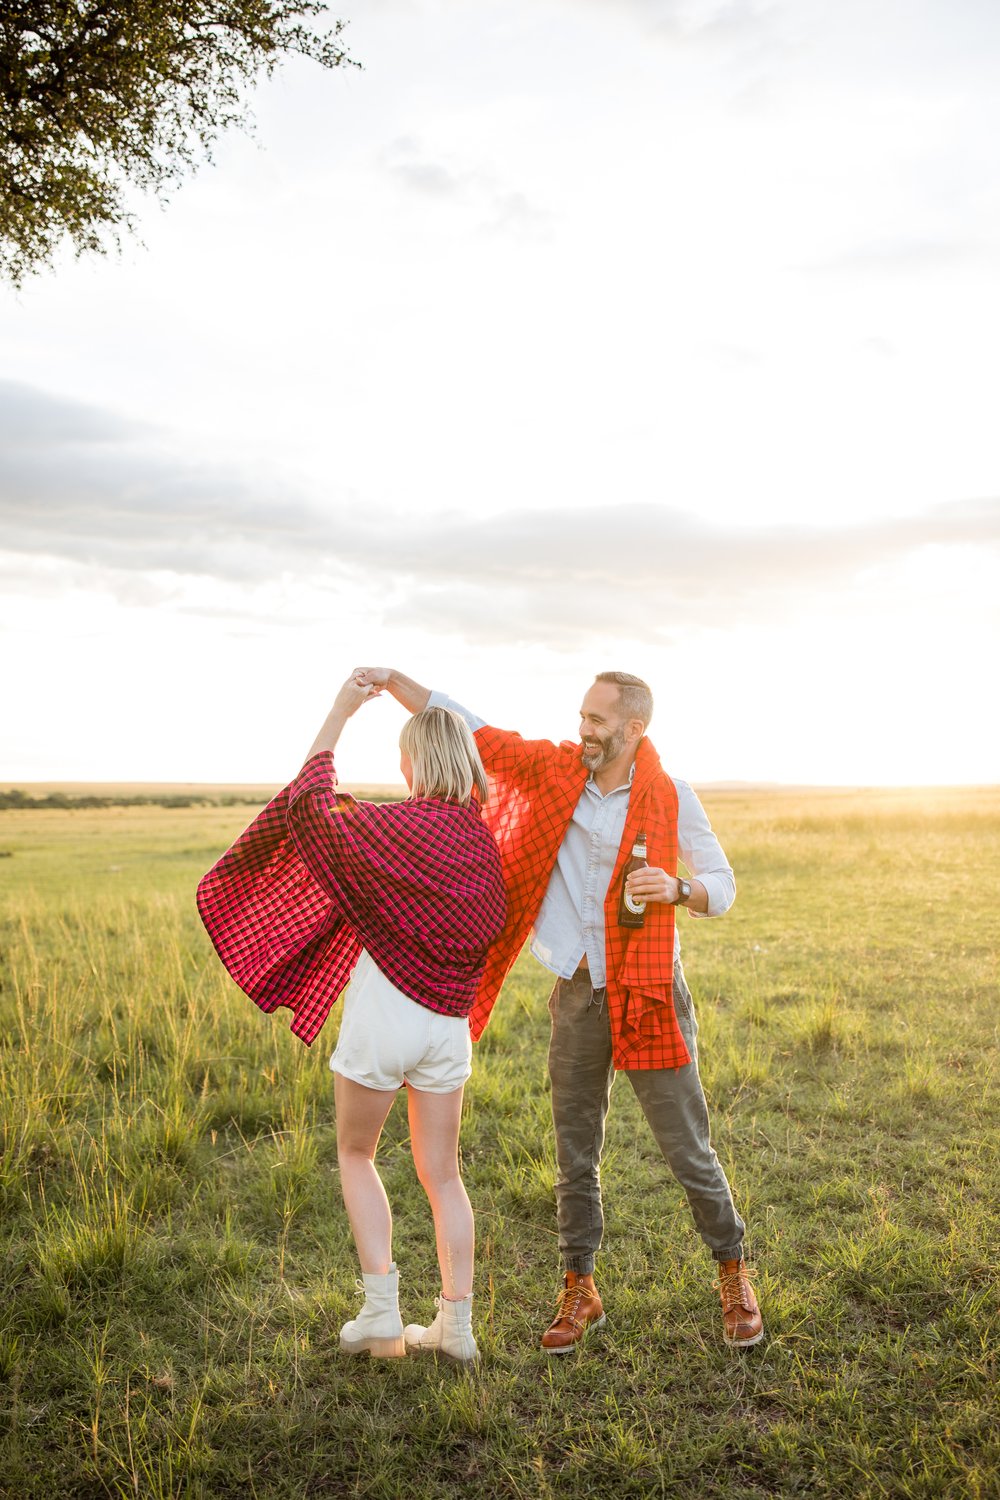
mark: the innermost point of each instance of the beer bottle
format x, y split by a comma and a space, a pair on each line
632, 913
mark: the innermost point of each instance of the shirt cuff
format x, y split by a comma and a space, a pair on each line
721, 892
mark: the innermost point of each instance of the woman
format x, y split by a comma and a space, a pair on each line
409, 895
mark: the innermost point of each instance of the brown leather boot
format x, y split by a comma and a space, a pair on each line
579, 1309
742, 1324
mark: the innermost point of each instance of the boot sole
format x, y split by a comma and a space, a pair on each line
569, 1348
743, 1343
377, 1348
453, 1359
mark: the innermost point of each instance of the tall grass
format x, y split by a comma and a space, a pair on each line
176, 1261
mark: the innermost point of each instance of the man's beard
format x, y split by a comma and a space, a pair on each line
608, 750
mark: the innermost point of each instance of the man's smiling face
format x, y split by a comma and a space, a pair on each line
602, 729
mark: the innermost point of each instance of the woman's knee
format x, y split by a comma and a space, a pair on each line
437, 1176
351, 1153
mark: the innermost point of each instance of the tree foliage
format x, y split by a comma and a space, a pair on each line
100, 95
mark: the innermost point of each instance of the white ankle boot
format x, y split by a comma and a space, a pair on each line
450, 1334
378, 1328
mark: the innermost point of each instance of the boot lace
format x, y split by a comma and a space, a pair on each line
569, 1302
735, 1289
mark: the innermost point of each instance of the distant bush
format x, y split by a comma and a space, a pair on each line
63, 800
15, 799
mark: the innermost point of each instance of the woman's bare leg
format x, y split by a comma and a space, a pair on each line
361, 1113
434, 1125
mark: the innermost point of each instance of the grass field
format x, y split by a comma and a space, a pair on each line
176, 1262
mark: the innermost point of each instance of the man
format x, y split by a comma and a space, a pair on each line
566, 818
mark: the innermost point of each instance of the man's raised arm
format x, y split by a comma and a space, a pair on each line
410, 694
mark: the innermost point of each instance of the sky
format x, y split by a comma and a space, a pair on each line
560, 336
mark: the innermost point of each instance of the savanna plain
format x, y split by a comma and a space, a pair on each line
176, 1262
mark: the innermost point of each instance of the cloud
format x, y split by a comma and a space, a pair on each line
910, 254
29, 418
640, 572
497, 206
405, 161
712, 21
99, 494
83, 485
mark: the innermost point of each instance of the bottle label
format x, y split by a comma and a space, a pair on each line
635, 907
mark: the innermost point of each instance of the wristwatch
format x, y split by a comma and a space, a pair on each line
683, 893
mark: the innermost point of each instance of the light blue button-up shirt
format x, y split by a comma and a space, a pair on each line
570, 922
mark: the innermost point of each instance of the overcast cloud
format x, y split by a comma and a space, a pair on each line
81, 486
374, 382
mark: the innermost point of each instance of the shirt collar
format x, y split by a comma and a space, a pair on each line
625, 786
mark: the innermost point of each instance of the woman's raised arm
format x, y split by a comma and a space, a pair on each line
347, 702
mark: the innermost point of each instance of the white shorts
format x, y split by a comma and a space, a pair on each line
387, 1039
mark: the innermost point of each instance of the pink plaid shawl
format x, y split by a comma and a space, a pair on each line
318, 875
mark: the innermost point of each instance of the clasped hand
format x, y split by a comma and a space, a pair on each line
354, 692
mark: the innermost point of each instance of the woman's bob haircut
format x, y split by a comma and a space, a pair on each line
443, 755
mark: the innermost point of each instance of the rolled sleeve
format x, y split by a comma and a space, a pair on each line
703, 854
721, 891
441, 700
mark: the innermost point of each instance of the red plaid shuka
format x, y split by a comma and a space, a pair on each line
535, 786
318, 876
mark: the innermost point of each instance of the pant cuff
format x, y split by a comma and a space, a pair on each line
582, 1265
735, 1252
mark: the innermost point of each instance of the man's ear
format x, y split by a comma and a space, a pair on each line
638, 727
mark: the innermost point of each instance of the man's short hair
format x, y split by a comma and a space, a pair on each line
635, 697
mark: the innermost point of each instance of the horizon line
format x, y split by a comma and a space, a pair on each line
733, 784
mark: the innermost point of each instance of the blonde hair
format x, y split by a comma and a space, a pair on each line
443, 755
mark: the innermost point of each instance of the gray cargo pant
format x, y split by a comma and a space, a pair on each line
672, 1100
